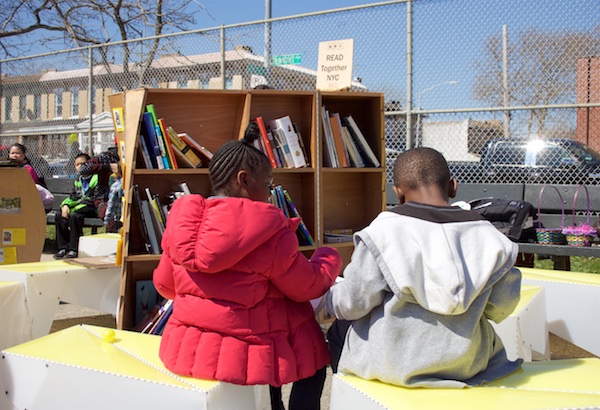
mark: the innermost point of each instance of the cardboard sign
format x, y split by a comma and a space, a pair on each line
334, 71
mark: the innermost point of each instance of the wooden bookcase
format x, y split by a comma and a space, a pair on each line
327, 198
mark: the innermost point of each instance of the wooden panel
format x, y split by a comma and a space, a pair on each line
22, 216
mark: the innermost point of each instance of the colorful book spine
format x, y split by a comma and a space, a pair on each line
295, 212
152, 142
183, 147
169, 146
142, 219
159, 137
265, 140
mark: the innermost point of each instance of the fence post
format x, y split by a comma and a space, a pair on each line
90, 99
409, 75
222, 56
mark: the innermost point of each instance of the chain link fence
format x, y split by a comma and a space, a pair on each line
460, 76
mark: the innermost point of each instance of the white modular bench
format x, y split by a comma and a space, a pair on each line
558, 384
48, 283
572, 305
77, 368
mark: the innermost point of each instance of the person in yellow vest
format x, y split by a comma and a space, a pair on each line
87, 200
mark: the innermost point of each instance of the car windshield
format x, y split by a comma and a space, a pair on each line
584, 152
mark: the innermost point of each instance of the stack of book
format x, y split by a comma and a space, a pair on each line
281, 198
282, 143
344, 144
163, 148
153, 212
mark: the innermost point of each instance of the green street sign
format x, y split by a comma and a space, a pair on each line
286, 59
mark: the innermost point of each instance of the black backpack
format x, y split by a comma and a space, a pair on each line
515, 218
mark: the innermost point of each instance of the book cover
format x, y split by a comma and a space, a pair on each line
329, 154
183, 148
182, 160
265, 141
142, 218
159, 137
195, 145
361, 141
355, 157
340, 148
280, 140
287, 129
152, 142
146, 298
169, 146
149, 223
279, 156
301, 141
144, 153
159, 326
302, 227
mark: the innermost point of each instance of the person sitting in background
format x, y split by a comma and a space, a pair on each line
87, 200
112, 219
424, 280
46, 196
17, 152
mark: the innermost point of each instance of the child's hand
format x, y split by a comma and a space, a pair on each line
65, 211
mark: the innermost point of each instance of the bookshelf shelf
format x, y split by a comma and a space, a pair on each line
327, 198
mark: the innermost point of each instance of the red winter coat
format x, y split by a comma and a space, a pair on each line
241, 290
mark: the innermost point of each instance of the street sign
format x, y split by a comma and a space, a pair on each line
286, 59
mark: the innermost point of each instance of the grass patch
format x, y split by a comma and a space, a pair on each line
578, 264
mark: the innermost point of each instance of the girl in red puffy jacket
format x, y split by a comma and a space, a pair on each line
241, 288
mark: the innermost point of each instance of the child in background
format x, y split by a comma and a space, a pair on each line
112, 219
241, 288
89, 195
424, 279
17, 152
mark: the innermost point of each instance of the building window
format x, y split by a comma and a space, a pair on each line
22, 108
74, 101
182, 81
37, 106
58, 100
8, 108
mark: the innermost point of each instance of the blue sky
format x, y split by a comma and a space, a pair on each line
240, 11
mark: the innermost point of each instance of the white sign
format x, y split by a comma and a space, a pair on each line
256, 80
335, 65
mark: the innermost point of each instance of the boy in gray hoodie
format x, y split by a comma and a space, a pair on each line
423, 281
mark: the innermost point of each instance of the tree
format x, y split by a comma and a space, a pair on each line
541, 71
80, 23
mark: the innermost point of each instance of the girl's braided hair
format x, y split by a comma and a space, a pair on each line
233, 156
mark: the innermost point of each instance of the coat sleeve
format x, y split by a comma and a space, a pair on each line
163, 277
363, 288
299, 278
505, 296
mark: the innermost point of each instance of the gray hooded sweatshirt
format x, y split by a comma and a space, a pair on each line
422, 283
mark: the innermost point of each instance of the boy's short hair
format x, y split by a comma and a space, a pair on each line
421, 167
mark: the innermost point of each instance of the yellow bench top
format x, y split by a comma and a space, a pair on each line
131, 354
572, 383
561, 276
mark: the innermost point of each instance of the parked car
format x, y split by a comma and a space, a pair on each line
558, 161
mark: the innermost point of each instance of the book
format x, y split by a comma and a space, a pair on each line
329, 154
194, 145
182, 160
159, 136
161, 321
183, 147
150, 223
152, 142
355, 157
265, 140
146, 298
335, 237
291, 138
281, 142
361, 141
340, 148
169, 146
142, 219
285, 203
145, 154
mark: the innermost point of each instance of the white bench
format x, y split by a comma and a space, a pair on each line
558, 384
77, 369
48, 283
572, 305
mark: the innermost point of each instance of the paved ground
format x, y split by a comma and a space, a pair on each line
69, 315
